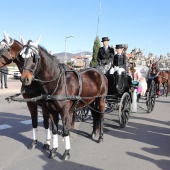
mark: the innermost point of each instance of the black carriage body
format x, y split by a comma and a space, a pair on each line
117, 87
119, 96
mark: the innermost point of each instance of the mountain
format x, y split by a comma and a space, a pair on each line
70, 55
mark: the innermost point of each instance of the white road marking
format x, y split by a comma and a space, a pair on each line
27, 122
5, 126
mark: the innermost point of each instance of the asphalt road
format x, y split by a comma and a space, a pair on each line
143, 145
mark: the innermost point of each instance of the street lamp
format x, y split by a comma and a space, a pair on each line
66, 37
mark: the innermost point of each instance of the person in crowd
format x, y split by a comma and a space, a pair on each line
4, 73
136, 77
105, 56
119, 61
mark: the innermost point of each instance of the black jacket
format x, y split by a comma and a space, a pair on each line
120, 61
105, 57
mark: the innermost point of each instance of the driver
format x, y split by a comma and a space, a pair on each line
105, 55
119, 61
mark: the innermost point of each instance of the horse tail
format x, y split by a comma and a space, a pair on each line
104, 85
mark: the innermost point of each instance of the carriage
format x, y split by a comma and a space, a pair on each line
120, 96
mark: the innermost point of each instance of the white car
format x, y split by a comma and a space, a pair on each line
17, 75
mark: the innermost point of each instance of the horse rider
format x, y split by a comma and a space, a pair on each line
155, 68
105, 56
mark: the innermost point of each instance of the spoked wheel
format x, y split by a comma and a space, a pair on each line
151, 95
83, 114
110, 106
124, 109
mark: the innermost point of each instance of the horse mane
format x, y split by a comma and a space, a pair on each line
18, 42
53, 57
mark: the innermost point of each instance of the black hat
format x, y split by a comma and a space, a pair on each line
119, 46
105, 39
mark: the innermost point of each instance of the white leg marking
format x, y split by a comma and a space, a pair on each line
67, 142
48, 136
55, 141
35, 133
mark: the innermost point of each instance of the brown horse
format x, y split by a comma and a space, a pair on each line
161, 77
9, 49
65, 88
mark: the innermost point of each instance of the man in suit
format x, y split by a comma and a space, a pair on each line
105, 55
119, 61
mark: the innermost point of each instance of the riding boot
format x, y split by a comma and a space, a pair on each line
119, 83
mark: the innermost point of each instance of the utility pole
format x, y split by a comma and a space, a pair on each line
98, 19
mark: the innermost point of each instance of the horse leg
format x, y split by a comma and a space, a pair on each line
95, 120
54, 119
34, 114
159, 93
164, 92
98, 118
102, 109
66, 132
46, 123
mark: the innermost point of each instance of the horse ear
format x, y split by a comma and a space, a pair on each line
22, 40
6, 37
37, 41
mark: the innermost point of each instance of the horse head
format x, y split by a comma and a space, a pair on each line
5, 52
154, 68
9, 49
28, 58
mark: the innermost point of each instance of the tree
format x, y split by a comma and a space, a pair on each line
96, 47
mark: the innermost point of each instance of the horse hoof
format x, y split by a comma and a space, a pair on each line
53, 153
93, 135
66, 155
100, 140
33, 145
46, 147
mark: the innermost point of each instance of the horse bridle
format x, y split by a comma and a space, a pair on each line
36, 57
5, 48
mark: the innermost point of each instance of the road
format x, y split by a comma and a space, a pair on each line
143, 144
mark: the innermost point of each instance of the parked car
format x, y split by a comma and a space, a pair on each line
17, 75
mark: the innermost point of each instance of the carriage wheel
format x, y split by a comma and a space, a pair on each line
111, 106
83, 114
124, 109
151, 95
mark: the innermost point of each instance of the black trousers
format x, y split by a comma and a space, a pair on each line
3, 80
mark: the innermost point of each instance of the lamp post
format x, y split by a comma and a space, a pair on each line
66, 37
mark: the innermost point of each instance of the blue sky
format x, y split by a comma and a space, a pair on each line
143, 24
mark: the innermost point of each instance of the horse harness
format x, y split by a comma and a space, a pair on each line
49, 97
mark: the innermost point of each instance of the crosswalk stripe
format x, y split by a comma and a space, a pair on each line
5, 126
27, 122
